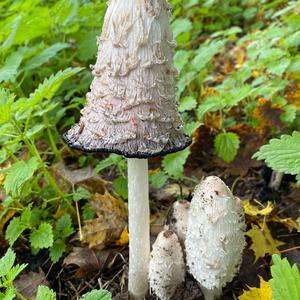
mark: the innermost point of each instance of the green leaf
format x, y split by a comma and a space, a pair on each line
282, 154
18, 174
120, 185
42, 237
10, 69
49, 87
205, 53
63, 227
14, 229
181, 58
9, 294
289, 114
44, 56
7, 262
173, 164
97, 295
57, 250
285, 282
81, 193
181, 25
158, 179
87, 45
112, 160
44, 293
6, 101
187, 103
227, 145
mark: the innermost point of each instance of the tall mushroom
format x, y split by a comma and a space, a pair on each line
215, 236
131, 109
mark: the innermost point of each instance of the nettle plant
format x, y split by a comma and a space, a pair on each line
10, 271
238, 71
283, 154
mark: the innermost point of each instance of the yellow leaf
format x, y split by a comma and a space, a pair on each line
255, 211
124, 238
1, 179
262, 241
287, 222
264, 292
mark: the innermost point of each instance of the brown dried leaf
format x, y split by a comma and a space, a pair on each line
67, 178
111, 221
28, 284
88, 260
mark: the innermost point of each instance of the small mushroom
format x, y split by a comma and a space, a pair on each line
215, 236
178, 219
132, 111
166, 268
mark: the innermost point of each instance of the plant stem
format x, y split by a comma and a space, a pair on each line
139, 227
34, 152
20, 296
51, 139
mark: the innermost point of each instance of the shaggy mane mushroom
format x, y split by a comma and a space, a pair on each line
131, 110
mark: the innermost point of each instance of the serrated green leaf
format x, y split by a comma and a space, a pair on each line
7, 262
81, 193
6, 101
289, 114
49, 87
285, 282
10, 69
205, 53
9, 294
63, 227
181, 58
14, 229
181, 25
97, 295
18, 174
187, 103
113, 159
44, 56
282, 154
158, 179
120, 185
57, 250
227, 145
44, 293
173, 164
42, 237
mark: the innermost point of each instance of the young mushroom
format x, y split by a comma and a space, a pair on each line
178, 218
215, 236
166, 268
131, 110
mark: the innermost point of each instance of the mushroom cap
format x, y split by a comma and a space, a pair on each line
131, 109
166, 267
215, 234
178, 219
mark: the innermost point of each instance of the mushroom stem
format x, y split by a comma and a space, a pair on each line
211, 294
139, 227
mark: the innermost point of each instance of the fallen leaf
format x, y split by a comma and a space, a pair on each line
158, 221
262, 241
110, 222
67, 178
255, 211
287, 222
88, 260
264, 292
28, 284
124, 238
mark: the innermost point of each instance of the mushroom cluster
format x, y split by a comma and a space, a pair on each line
132, 110
211, 228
